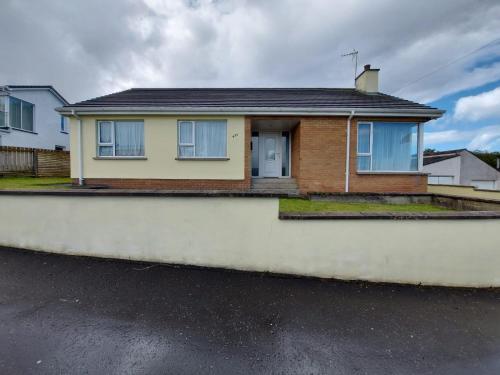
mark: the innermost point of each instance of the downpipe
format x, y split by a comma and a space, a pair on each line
80, 148
348, 151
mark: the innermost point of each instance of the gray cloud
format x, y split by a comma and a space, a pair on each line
93, 47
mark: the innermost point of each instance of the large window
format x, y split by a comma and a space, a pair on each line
21, 114
120, 138
202, 139
388, 146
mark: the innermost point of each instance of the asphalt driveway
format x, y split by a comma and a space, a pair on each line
70, 315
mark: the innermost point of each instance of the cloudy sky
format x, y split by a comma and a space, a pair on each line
445, 53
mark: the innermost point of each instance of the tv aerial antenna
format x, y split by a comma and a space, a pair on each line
354, 58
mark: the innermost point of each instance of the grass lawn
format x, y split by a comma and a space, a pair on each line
304, 205
34, 182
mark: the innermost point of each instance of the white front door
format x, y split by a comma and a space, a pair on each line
270, 154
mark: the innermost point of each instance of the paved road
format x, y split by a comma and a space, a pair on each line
69, 315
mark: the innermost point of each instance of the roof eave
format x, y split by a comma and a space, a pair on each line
307, 111
51, 89
429, 162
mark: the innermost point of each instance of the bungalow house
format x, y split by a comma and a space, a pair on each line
460, 167
314, 139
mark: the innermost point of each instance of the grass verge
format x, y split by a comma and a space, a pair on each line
304, 205
34, 183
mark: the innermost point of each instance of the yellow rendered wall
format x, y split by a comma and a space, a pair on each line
160, 145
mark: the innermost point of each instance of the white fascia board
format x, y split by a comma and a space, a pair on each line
248, 111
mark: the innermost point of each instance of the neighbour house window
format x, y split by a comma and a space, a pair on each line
484, 184
202, 139
440, 180
64, 124
21, 114
388, 146
3, 113
120, 138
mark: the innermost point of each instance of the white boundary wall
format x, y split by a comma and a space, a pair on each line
246, 234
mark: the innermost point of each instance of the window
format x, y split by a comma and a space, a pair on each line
21, 114
3, 113
270, 148
285, 151
255, 154
120, 138
483, 184
388, 146
440, 180
202, 139
64, 124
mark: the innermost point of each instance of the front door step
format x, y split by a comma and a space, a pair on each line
275, 184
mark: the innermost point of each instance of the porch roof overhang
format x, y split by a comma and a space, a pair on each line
249, 111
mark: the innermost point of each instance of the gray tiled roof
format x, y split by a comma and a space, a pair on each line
316, 98
435, 157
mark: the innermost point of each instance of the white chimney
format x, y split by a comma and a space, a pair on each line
367, 80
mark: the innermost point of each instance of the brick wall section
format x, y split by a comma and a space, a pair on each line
388, 183
179, 184
295, 152
135, 183
321, 163
320, 166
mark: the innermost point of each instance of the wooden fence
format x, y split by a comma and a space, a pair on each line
23, 161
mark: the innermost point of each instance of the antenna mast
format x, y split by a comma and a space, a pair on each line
354, 57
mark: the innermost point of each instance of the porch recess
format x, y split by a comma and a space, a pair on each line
272, 147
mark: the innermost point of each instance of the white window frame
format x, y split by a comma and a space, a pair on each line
105, 144
6, 102
420, 147
193, 144
113, 143
420, 142
370, 144
193, 137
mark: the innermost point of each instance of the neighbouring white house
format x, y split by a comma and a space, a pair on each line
460, 167
28, 118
